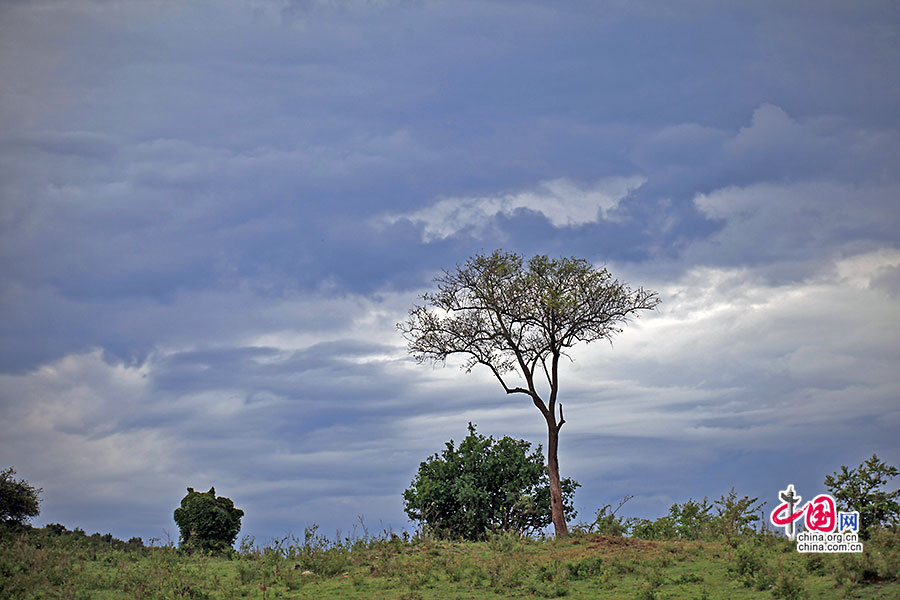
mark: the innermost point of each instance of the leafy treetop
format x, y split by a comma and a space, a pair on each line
505, 315
860, 489
19, 500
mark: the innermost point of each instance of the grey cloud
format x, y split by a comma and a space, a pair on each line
888, 279
799, 221
85, 144
772, 147
188, 258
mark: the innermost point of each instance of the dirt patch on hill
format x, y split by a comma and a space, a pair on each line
600, 541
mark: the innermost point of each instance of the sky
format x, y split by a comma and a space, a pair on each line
213, 214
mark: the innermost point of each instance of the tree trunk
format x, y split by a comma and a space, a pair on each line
556, 503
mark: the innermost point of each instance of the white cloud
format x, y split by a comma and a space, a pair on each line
562, 202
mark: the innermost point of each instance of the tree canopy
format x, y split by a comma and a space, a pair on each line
861, 489
512, 317
19, 500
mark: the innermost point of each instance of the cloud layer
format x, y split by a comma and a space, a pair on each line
212, 216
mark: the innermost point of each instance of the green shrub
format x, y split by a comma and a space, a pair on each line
551, 581
880, 562
688, 578
484, 485
815, 564
736, 516
649, 590
748, 564
586, 568
502, 543
884, 544
691, 520
207, 523
660, 529
607, 523
788, 585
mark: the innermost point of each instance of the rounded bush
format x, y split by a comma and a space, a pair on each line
484, 485
207, 523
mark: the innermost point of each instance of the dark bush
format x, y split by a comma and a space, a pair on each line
56, 529
207, 523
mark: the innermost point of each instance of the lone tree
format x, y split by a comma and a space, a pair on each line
518, 318
862, 489
19, 500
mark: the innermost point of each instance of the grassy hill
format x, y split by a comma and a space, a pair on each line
55, 563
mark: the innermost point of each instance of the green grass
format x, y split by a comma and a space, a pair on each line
41, 563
